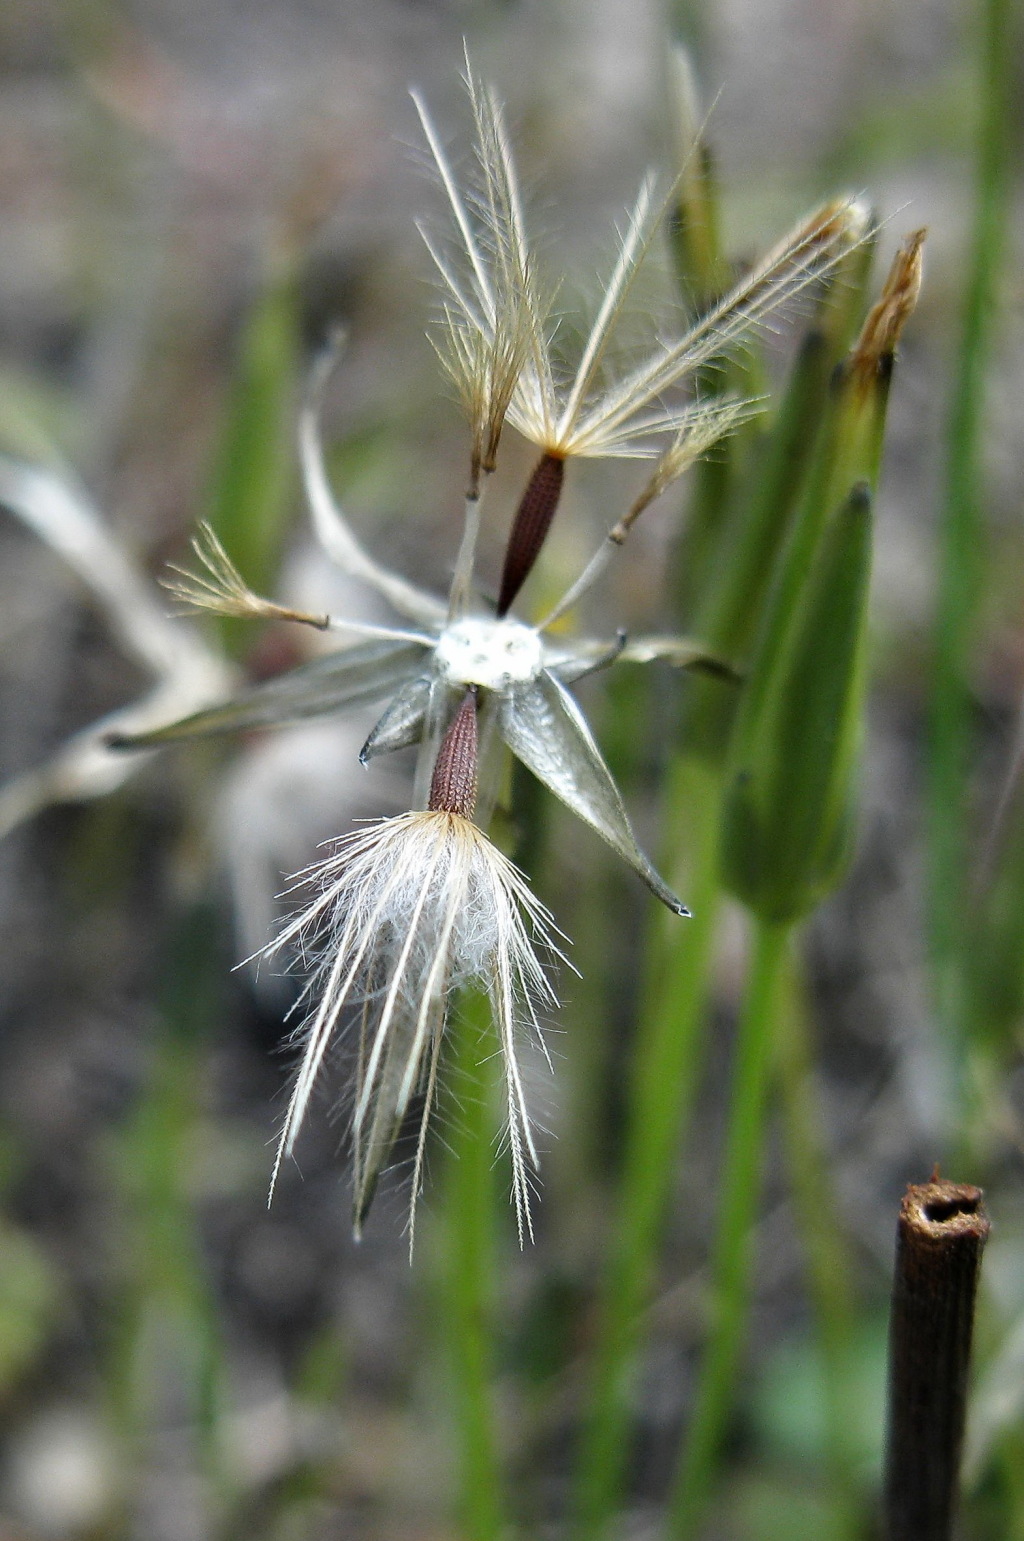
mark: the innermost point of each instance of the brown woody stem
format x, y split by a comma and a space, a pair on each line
941, 1232
453, 784
530, 527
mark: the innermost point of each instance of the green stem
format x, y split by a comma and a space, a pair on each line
828, 1266
1010, 1465
469, 1280
731, 1261
166, 1332
667, 1061
960, 540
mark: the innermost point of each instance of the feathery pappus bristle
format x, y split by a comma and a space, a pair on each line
218, 587
406, 913
499, 341
495, 318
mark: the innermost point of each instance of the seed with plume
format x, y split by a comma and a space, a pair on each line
406, 913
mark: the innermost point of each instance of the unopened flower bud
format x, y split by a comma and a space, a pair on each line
787, 807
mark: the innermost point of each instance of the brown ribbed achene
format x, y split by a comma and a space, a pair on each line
453, 784
530, 527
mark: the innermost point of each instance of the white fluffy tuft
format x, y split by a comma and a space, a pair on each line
406, 911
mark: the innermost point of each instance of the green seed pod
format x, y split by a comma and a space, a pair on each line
752, 534
787, 811
736, 586
793, 747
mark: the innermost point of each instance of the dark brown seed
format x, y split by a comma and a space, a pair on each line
453, 784
530, 527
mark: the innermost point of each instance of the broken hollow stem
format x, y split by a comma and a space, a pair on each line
940, 1235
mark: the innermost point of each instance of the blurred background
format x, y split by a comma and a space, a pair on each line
192, 197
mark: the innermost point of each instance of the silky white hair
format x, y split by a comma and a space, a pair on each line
407, 911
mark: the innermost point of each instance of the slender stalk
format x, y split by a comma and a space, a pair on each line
1011, 1469
939, 1240
667, 1065
166, 1339
469, 1277
828, 1265
960, 537
731, 1257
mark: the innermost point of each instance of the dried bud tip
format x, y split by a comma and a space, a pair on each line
886, 320
453, 784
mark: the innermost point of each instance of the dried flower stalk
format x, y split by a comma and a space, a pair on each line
940, 1236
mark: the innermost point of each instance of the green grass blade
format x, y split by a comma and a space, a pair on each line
829, 1267
168, 1314
254, 474
731, 1263
469, 1271
960, 537
667, 1057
